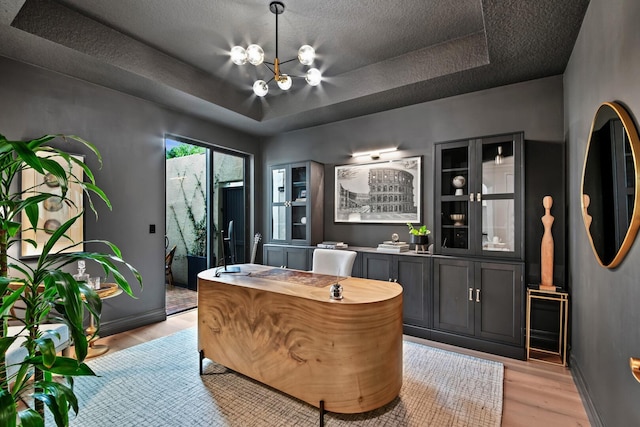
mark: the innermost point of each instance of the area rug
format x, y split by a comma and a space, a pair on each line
157, 384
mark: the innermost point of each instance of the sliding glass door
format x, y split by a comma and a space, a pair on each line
205, 208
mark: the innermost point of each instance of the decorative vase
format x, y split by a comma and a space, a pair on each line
458, 219
419, 240
458, 182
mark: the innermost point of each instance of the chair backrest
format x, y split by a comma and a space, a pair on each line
168, 259
337, 262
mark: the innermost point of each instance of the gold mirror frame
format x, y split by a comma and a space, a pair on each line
634, 223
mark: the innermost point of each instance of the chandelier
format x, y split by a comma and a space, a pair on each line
254, 55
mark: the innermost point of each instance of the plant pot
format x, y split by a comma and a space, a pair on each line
195, 264
419, 240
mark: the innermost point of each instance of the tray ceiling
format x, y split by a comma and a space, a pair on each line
374, 55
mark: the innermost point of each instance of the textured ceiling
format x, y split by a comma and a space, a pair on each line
374, 55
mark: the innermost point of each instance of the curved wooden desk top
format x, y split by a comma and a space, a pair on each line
281, 328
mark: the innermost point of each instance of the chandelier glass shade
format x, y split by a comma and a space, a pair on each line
254, 55
499, 158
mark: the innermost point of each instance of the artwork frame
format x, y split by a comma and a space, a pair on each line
52, 213
364, 194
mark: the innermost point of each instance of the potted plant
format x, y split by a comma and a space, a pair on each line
44, 287
197, 253
192, 230
418, 235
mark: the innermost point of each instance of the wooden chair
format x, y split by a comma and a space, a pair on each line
168, 260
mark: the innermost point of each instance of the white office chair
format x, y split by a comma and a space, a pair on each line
336, 262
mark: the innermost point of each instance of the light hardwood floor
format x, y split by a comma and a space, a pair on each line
535, 394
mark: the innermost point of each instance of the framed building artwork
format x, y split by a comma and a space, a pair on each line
379, 192
53, 211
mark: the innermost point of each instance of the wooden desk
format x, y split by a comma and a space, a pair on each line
280, 327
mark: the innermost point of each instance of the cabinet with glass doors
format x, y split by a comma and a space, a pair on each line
479, 195
296, 203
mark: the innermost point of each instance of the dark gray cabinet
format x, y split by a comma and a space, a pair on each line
298, 258
378, 266
296, 208
356, 271
413, 273
480, 299
479, 197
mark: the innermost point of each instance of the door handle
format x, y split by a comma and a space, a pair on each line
470, 294
478, 197
477, 295
471, 197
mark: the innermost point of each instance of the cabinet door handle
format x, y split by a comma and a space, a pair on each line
478, 197
471, 197
477, 295
470, 294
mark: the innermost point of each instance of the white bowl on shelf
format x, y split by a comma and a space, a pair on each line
458, 219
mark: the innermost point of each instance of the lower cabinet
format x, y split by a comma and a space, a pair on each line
296, 257
460, 301
479, 299
413, 273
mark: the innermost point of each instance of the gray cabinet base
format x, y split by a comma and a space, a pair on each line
466, 342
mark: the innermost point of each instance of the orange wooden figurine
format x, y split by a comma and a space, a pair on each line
546, 248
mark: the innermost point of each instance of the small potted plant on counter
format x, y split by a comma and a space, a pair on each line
419, 236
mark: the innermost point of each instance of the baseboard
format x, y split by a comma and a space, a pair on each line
581, 385
514, 352
500, 349
416, 331
131, 322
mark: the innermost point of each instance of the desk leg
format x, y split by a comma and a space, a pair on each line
322, 413
201, 359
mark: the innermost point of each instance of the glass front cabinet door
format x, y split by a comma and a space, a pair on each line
479, 197
295, 190
279, 204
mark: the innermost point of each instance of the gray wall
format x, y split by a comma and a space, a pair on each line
534, 107
129, 133
605, 317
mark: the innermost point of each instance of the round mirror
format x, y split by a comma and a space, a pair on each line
609, 184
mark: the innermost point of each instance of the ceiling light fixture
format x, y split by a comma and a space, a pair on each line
254, 55
499, 157
374, 154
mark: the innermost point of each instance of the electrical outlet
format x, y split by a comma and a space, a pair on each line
152, 228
